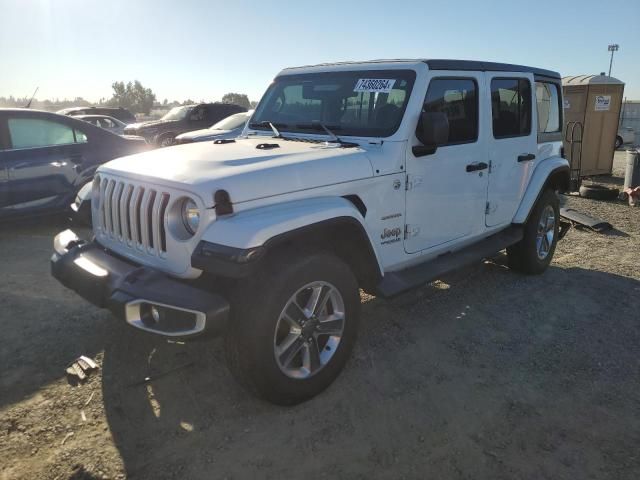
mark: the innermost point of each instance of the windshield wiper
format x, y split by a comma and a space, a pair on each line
321, 126
273, 126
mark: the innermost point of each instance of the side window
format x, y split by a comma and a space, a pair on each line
34, 132
511, 107
197, 114
548, 105
81, 137
457, 98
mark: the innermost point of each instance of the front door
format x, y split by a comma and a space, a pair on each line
41, 163
446, 190
4, 182
512, 144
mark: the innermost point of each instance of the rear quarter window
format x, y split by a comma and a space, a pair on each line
548, 107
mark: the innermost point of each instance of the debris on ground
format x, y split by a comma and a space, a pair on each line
599, 192
80, 369
632, 194
66, 437
582, 219
150, 378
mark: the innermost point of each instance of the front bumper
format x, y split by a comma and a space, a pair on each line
144, 297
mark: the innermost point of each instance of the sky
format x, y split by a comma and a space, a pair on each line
204, 49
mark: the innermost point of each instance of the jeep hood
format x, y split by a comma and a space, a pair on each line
244, 168
204, 133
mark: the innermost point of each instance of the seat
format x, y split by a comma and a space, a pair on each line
387, 116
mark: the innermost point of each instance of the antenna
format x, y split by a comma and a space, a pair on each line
28, 105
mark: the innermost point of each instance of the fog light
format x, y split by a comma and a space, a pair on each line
62, 241
151, 315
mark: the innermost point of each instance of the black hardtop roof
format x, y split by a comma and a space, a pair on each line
449, 64
487, 67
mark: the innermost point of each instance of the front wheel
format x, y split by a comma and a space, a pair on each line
294, 328
166, 141
534, 252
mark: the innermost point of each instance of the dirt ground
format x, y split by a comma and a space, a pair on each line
484, 374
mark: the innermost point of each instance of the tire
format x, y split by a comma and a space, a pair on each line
533, 254
599, 192
166, 141
619, 142
256, 342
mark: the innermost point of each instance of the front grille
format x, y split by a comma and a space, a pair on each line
134, 216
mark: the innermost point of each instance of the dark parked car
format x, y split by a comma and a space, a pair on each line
229, 127
182, 119
120, 113
46, 158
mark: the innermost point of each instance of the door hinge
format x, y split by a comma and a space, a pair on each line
412, 182
410, 231
487, 208
490, 165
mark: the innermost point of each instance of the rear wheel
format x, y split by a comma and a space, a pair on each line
166, 141
618, 142
294, 331
534, 252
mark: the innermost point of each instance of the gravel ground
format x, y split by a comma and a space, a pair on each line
484, 374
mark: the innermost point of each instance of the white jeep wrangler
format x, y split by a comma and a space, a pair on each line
379, 175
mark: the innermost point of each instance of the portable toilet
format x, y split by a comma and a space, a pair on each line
595, 102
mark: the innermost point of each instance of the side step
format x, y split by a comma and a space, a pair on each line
394, 283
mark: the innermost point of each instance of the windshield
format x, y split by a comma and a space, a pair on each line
176, 113
232, 122
359, 103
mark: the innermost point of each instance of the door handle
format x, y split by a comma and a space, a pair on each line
474, 167
525, 157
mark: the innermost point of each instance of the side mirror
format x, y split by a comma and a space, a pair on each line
432, 131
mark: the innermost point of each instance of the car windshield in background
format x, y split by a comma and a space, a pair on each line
232, 122
359, 103
176, 113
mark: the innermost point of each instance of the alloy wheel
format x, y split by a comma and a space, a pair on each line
309, 330
546, 232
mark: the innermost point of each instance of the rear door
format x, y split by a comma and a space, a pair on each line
199, 118
446, 190
42, 162
512, 144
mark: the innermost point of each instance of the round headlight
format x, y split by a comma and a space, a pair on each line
190, 216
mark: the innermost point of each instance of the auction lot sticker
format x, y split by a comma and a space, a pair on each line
381, 85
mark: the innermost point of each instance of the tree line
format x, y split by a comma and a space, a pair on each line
130, 95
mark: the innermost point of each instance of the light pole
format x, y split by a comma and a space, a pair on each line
612, 48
